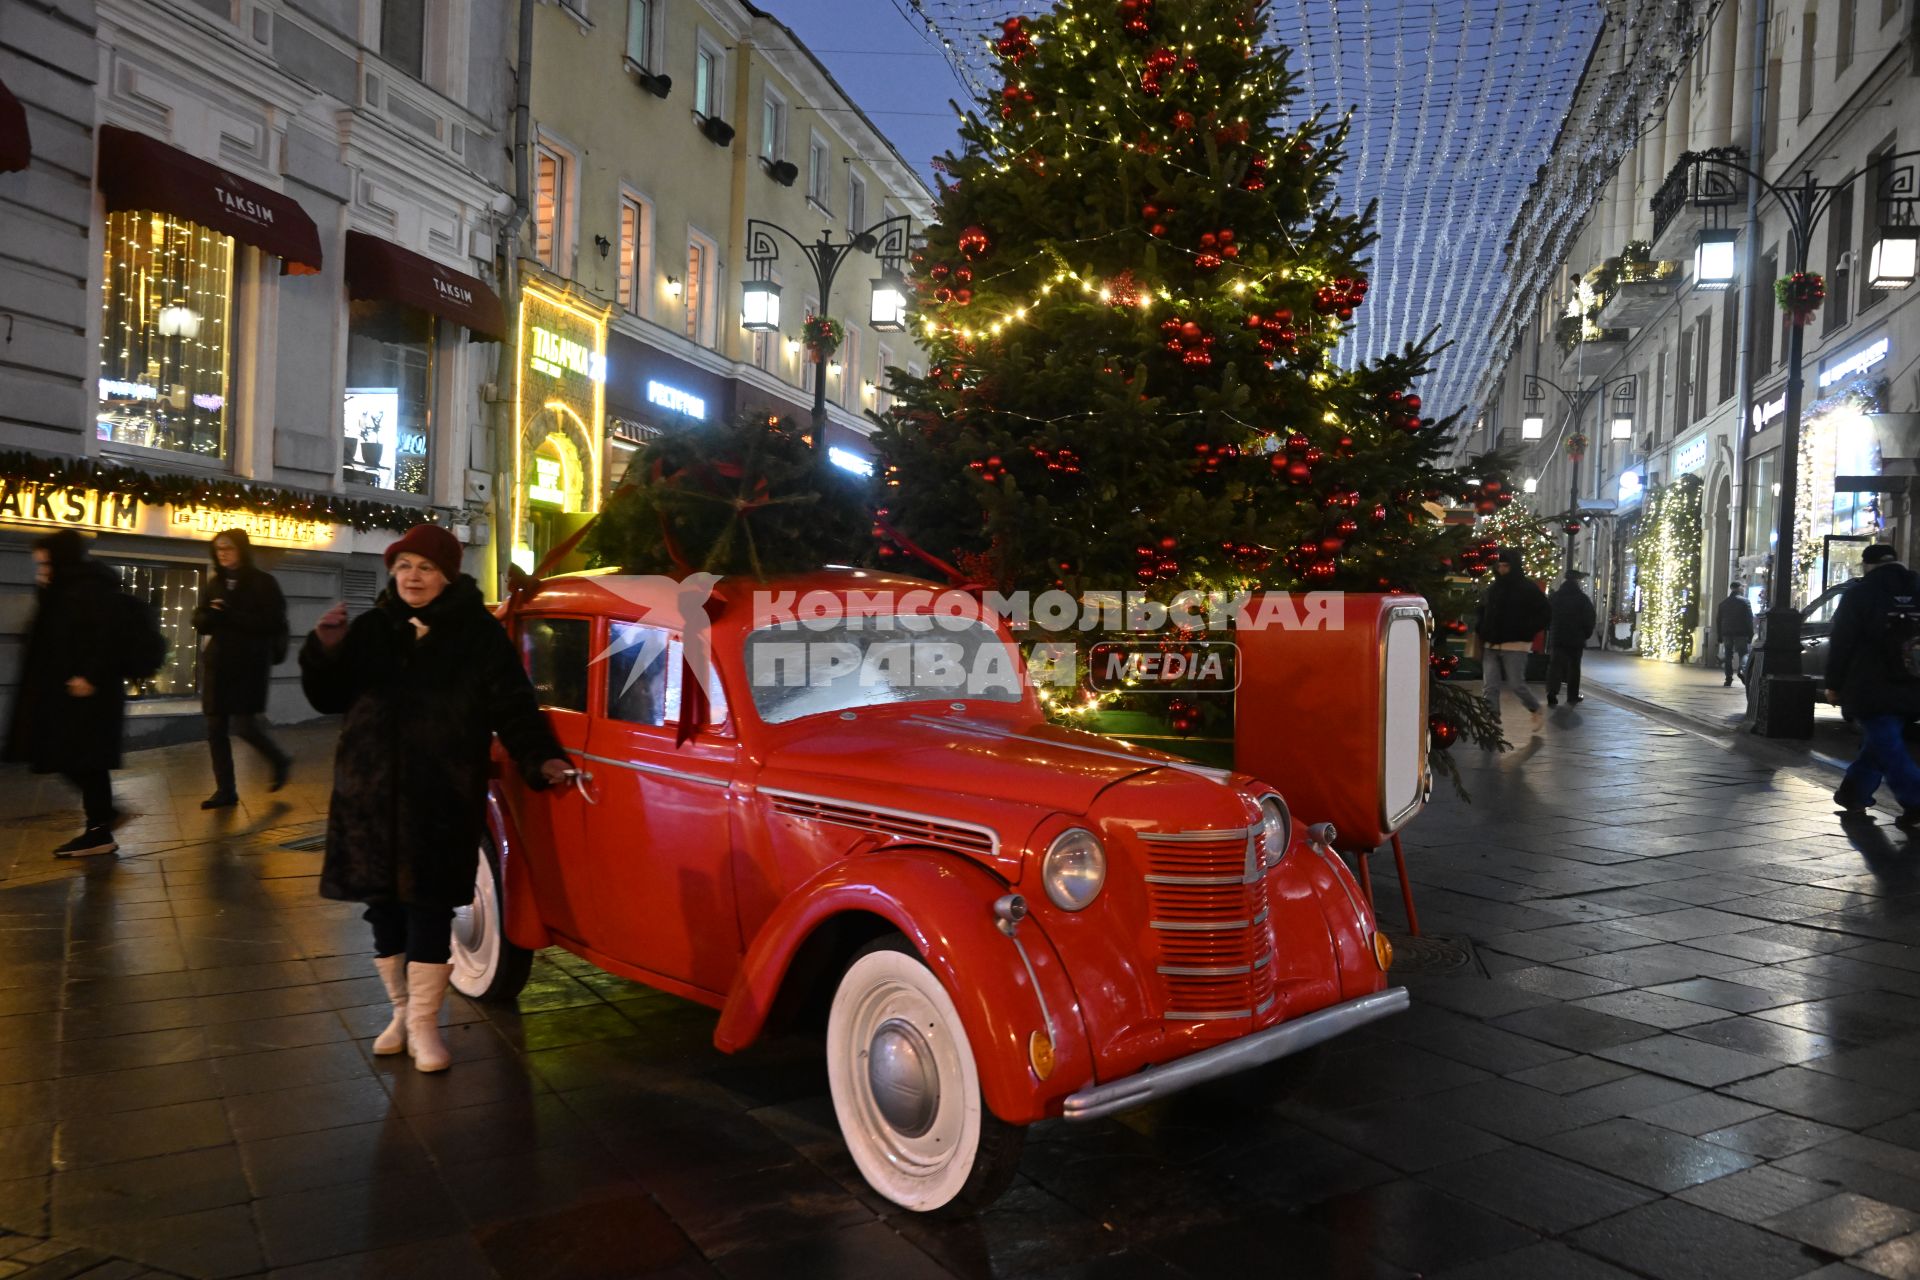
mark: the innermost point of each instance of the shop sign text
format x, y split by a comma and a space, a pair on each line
40, 503
1859, 362
1690, 457
675, 400
558, 357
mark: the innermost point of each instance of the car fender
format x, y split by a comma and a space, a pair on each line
1006, 988
519, 908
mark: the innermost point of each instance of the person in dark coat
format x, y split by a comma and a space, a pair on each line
1861, 678
244, 617
425, 678
1513, 612
1733, 628
71, 703
1571, 619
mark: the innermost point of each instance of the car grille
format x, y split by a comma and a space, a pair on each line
1207, 912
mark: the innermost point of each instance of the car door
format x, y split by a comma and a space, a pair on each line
1816, 630
659, 833
551, 824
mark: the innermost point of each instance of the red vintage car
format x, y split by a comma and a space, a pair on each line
1004, 920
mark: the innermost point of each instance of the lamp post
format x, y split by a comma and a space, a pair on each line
1804, 203
1626, 389
886, 239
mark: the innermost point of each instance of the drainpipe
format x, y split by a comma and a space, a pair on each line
1751, 313
505, 404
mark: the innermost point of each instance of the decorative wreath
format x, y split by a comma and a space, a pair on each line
823, 335
1576, 446
1800, 295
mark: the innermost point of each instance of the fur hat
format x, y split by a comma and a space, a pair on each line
433, 542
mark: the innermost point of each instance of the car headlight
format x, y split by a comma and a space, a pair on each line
1074, 870
1276, 829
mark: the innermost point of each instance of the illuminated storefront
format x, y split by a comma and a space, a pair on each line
560, 421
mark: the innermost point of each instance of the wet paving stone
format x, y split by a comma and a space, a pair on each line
1674, 1241
1647, 1154
1541, 1191
1843, 1224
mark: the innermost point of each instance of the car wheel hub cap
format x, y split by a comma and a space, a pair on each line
903, 1077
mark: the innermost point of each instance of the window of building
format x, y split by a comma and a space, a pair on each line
773, 127
819, 171
1729, 341
849, 358
1763, 472
702, 263
171, 591
1809, 32
1839, 259
856, 203
166, 335
403, 35
636, 252
1888, 8
1764, 327
707, 95
1849, 17
882, 398
640, 33
1658, 394
552, 196
556, 651
1770, 132
1876, 176
1683, 382
389, 395
1703, 342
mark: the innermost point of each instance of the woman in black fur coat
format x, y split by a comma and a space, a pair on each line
426, 679
244, 618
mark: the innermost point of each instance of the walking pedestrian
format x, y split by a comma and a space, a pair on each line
1571, 618
1512, 613
1872, 653
1733, 627
71, 703
244, 618
426, 678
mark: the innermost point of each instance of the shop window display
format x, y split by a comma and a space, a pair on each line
166, 335
171, 591
390, 351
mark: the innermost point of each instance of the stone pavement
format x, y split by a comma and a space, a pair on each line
1700, 695
1669, 1026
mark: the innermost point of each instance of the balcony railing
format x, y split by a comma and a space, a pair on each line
1697, 182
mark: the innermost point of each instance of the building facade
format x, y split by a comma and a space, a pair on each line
1615, 344
659, 130
245, 281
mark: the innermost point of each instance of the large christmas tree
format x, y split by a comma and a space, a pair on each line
1131, 295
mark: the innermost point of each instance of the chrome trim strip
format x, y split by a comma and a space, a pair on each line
1265, 1005
993, 837
659, 771
1221, 836
1177, 1015
1202, 971
991, 731
1181, 926
1260, 917
1263, 961
1239, 1055
1214, 880
1046, 1014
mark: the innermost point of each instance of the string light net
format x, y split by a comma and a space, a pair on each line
1455, 106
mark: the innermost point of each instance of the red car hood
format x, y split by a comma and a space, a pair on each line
1040, 766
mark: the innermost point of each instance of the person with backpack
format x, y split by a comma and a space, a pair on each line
1873, 672
87, 639
1572, 619
1513, 612
244, 619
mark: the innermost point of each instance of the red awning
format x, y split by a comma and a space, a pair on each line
138, 172
14, 148
382, 270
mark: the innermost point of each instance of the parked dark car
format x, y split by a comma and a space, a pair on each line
1816, 626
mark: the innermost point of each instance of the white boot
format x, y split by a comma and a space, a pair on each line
393, 973
426, 989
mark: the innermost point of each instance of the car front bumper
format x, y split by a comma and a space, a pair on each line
1239, 1055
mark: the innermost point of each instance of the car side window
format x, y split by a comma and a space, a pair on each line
1822, 610
637, 665
556, 653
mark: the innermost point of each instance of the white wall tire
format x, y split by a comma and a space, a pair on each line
906, 1090
486, 966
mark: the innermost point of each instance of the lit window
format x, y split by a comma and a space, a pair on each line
640, 33
698, 293
635, 247
550, 205
166, 346
390, 351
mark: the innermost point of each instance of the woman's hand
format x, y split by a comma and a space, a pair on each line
556, 772
332, 627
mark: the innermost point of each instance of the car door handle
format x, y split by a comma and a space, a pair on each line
583, 783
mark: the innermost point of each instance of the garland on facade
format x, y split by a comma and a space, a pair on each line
18, 468
1515, 526
1820, 462
1666, 547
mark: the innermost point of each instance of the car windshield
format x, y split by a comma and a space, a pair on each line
810, 668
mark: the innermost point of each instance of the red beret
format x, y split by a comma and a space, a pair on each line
433, 542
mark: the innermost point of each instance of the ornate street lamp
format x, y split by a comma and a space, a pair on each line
889, 313
1625, 389
1533, 427
1713, 258
1620, 429
760, 306
1892, 262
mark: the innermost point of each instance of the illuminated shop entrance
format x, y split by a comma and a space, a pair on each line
559, 445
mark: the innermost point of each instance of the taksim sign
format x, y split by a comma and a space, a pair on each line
556, 356
674, 399
1859, 362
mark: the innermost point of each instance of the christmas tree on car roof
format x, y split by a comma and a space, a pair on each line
1131, 298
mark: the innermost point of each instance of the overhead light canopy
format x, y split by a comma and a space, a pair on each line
889, 312
1713, 258
1532, 427
1893, 260
760, 306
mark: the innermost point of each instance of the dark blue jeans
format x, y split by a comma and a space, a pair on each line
1883, 753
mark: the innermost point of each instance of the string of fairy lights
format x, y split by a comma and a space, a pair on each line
1449, 111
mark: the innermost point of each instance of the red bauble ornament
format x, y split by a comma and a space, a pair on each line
1298, 472
1320, 571
974, 242
1190, 331
1445, 732
1297, 443
1183, 120
1347, 528
1571, 526
1379, 512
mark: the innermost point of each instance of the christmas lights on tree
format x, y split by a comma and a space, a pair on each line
1666, 547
